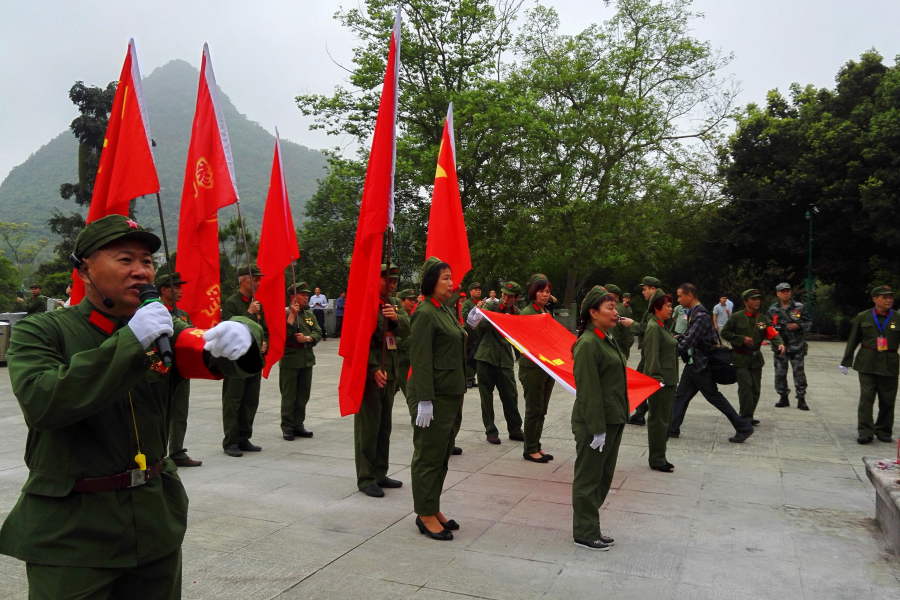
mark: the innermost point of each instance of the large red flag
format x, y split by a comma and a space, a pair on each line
126, 168
376, 213
447, 237
549, 345
209, 185
277, 250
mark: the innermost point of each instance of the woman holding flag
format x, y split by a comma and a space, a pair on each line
598, 416
536, 383
436, 387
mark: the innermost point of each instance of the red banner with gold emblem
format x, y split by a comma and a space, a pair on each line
209, 185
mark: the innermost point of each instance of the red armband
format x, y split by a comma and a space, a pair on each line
189, 355
770, 332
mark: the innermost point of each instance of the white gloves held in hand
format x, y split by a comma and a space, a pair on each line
599, 441
228, 339
844, 369
149, 322
426, 413
475, 317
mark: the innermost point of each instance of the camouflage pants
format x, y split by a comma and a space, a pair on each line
781, 371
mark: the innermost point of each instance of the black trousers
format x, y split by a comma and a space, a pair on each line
319, 314
693, 382
338, 325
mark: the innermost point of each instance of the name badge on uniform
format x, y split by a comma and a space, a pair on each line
882, 344
391, 341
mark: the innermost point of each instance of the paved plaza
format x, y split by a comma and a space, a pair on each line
787, 515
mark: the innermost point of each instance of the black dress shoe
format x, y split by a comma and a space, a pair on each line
607, 540
493, 439
233, 450
456, 451
754, 422
302, 432
450, 525
637, 420
373, 490
801, 404
667, 468
288, 436
784, 401
864, 439
443, 536
596, 545
187, 461
387, 482
885, 438
740, 436
542, 459
517, 437
248, 446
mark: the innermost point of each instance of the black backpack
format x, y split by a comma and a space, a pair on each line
721, 364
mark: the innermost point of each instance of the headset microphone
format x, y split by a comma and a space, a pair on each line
79, 264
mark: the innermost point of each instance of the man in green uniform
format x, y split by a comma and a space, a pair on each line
170, 293
791, 320
103, 513
746, 330
372, 424
240, 396
877, 331
473, 301
408, 303
296, 368
494, 359
626, 302
622, 331
37, 303
649, 286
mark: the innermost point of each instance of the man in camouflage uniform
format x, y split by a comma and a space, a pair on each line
792, 322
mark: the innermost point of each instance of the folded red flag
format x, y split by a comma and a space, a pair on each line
549, 345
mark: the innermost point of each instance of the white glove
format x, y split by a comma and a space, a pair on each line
228, 339
844, 369
599, 441
475, 317
426, 413
151, 321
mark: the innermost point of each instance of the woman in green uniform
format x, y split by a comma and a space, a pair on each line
598, 416
660, 363
536, 383
436, 390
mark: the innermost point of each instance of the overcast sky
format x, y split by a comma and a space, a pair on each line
266, 52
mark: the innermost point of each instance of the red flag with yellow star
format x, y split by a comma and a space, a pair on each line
209, 185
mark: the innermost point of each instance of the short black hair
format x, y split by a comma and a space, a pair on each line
536, 287
431, 279
689, 288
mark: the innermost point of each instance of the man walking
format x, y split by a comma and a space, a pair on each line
338, 314
791, 320
721, 312
318, 303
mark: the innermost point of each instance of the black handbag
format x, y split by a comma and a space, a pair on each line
721, 364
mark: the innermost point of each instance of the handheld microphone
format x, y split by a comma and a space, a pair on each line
79, 264
149, 293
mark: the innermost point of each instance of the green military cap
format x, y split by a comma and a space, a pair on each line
395, 270
782, 286
254, 270
302, 288
35, 285
162, 278
751, 293
511, 288
101, 232
475, 286
651, 282
430, 265
535, 279
882, 290
407, 294
597, 292
626, 295
613, 289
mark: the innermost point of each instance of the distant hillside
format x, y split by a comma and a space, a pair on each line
31, 190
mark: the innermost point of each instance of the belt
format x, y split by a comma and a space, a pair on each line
128, 479
875, 348
745, 352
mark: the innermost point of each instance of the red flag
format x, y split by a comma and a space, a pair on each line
277, 250
126, 168
549, 345
208, 186
376, 213
447, 237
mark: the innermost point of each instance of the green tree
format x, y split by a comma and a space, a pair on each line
9, 284
232, 253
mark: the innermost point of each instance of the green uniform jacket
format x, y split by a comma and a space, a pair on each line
438, 351
524, 361
795, 342
400, 329
74, 372
180, 314
740, 325
35, 305
641, 328
299, 355
237, 305
494, 348
601, 396
660, 354
865, 333
623, 334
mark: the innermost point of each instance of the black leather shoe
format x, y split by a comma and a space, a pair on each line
456, 451
248, 446
233, 450
784, 401
450, 525
373, 490
288, 435
548, 456
493, 439
754, 422
517, 437
667, 468
740, 436
542, 459
443, 536
596, 545
302, 432
801, 404
637, 420
864, 439
607, 540
387, 482
885, 438
675, 435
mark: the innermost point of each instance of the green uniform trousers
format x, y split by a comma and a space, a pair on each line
537, 387
658, 422
295, 385
156, 580
885, 386
432, 447
593, 476
490, 377
178, 421
372, 432
749, 382
470, 374
643, 407
404, 378
240, 399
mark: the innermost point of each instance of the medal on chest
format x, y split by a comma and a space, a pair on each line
157, 365
796, 314
309, 321
761, 326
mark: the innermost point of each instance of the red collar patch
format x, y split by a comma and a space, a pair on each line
749, 314
102, 323
436, 303
535, 306
245, 298
599, 333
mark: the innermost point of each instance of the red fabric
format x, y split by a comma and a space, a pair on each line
277, 250
549, 345
208, 186
447, 237
126, 169
102, 323
363, 288
770, 333
189, 355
